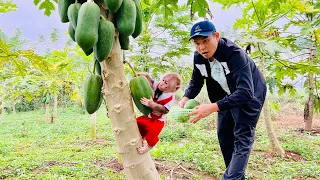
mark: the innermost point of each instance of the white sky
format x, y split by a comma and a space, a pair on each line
33, 22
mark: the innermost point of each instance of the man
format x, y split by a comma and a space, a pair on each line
236, 89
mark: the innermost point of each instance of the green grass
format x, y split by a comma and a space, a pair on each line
32, 149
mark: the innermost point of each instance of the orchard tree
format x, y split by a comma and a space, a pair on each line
306, 44
115, 88
16, 64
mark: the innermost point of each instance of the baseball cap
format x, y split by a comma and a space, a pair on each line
202, 28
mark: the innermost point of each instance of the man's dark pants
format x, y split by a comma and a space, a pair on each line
236, 129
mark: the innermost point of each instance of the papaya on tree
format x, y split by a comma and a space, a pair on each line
73, 12
63, 6
126, 18
71, 32
92, 93
87, 26
124, 42
88, 52
103, 47
97, 68
113, 5
138, 26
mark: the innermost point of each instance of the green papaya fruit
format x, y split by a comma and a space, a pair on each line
43, 99
140, 87
126, 18
87, 25
97, 67
63, 6
92, 93
103, 47
190, 104
73, 12
138, 25
124, 42
71, 32
47, 100
88, 52
113, 5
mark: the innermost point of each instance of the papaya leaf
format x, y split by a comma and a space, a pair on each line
48, 7
36, 2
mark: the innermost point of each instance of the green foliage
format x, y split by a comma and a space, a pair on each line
171, 35
199, 6
46, 5
7, 6
167, 7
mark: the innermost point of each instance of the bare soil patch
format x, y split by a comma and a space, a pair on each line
169, 170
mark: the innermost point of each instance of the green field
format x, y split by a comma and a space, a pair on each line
32, 149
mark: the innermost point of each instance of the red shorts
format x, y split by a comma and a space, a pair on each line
150, 129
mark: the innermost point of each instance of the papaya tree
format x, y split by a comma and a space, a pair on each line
15, 66
307, 40
91, 19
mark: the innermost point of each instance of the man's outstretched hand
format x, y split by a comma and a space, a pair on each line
203, 111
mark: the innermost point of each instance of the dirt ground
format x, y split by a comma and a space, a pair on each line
289, 117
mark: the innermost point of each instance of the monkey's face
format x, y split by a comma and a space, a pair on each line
167, 84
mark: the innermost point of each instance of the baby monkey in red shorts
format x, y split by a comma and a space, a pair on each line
163, 99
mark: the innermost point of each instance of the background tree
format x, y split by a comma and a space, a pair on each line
306, 45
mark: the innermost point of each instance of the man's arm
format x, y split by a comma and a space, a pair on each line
195, 84
244, 83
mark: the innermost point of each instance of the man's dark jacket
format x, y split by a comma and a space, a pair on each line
245, 81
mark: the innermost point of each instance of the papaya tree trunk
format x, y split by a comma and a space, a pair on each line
120, 111
2, 108
14, 107
309, 106
55, 106
93, 133
308, 110
47, 113
273, 140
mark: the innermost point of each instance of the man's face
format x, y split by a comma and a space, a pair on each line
206, 46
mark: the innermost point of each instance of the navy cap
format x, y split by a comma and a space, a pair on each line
202, 28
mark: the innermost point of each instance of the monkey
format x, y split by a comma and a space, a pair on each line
163, 98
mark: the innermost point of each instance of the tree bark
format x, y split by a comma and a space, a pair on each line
93, 133
309, 106
2, 108
47, 113
55, 106
120, 111
14, 108
273, 140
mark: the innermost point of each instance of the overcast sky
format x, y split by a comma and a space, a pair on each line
33, 22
